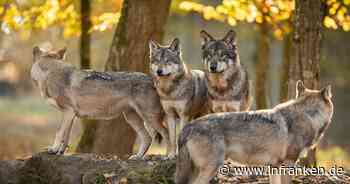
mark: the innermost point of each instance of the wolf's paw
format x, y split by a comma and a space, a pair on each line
171, 156
58, 149
135, 157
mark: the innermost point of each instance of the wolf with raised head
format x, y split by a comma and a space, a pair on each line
97, 95
182, 91
265, 137
226, 78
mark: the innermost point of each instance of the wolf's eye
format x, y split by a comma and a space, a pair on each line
231, 56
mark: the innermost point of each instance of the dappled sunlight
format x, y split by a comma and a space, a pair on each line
333, 156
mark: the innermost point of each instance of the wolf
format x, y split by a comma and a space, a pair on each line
264, 137
226, 78
182, 91
97, 95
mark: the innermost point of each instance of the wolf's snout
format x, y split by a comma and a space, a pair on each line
213, 67
159, 72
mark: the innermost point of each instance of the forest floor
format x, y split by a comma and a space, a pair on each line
89, 168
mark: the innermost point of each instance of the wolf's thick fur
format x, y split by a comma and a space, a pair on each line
226, 78
182, 92
97, 95
264, 137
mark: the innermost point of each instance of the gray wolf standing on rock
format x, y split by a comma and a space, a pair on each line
182, 92
264, 137
226, 78
97, 95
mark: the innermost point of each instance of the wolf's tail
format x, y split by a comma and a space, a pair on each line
184, 163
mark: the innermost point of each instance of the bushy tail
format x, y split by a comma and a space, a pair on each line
184, 164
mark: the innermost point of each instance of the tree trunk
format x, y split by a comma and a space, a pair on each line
140, 21
305, 65
262, 67
85, 11
287, 48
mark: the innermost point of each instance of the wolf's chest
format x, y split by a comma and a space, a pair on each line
225, 106
177, 106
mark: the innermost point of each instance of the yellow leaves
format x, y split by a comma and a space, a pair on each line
222, 9
334, 8
232, 21
62, 13
105, 21
259, 19
346, 26
208, 12
329, 2
278, 34
338, 15
330, 23
276, 13
272, 12
191, 6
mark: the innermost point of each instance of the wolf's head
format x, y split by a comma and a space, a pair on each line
44, 61
316, 103
166, 60
43, 55
219, 55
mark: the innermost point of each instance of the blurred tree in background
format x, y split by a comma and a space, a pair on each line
140, 21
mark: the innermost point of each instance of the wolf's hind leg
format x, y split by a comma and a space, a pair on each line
156, 121
137, 124
63, 134
208, 155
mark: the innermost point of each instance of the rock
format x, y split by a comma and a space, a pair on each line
43, 168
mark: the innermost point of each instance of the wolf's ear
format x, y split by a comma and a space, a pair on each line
300, 88
175, 45
153, 46
206, 37
230, 38
327, 92
62, 53
37, 51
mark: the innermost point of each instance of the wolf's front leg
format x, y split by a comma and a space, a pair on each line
184, 119
279, 178
62, 136
171, 121
137, 124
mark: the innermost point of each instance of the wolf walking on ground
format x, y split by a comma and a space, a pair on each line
182, 91
97, 95
226, 78
264, 137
